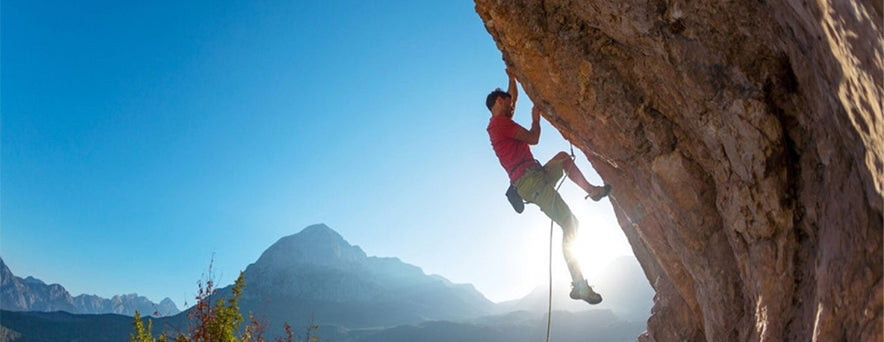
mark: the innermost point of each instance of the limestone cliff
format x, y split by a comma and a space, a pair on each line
744, 141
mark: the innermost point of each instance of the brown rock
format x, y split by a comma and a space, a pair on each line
745, 145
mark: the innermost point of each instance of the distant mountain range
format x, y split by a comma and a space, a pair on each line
32, 294
316, 276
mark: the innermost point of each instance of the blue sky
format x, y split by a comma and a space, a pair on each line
139, 139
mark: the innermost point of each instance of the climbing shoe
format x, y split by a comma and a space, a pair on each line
605, 191
580, 290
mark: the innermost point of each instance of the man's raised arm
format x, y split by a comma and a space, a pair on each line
512, 89
532, 136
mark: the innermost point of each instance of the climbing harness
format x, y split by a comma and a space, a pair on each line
512, 195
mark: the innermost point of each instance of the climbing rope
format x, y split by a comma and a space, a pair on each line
549, 298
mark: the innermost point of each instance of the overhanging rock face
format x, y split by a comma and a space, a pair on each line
745, 144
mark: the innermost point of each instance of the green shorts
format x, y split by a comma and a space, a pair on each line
537, 185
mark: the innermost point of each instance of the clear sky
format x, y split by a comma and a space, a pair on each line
140, 138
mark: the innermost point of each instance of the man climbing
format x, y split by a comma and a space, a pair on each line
536, 183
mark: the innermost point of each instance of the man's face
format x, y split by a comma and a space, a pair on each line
505, 104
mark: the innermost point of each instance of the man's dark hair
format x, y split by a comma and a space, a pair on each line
493, 97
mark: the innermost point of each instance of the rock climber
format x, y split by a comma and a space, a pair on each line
535, 183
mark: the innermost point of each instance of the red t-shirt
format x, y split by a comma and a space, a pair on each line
514, 155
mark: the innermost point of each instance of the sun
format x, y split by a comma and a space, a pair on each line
594, 252
599, 242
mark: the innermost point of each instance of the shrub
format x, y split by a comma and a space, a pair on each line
218, 322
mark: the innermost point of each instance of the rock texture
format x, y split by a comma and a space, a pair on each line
744, 142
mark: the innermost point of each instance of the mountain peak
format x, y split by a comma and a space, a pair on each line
320, 233
32, 280
5, 272
317, 266
319, 227
316, 245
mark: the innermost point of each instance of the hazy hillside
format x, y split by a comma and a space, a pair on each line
596, 325
591, 325
623, 285
63, 326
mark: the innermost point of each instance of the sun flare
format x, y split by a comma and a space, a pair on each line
593, 256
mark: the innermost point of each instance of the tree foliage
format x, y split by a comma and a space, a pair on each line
220, 321
141, 333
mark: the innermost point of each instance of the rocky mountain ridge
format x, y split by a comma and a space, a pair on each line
317, 274
32, 294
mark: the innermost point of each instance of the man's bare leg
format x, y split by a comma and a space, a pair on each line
576, 176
